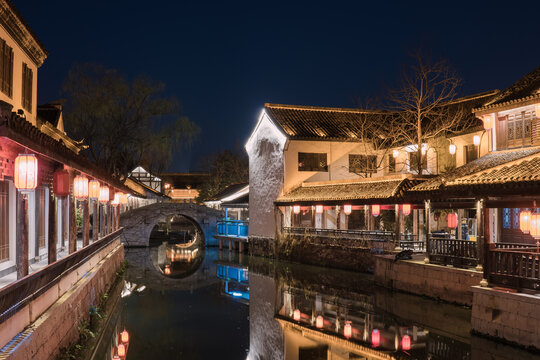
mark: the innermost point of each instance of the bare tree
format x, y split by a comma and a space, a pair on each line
425, 106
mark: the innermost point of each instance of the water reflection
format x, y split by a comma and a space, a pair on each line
233, 307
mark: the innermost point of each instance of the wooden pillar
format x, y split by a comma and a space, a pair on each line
241, 247
220, 241
486, 247
338, 217
86, 223
51, 246
427, 205
101, 220
65, 221
95, 221
397, 228
367, 217
110, 210
72, 225
22, 236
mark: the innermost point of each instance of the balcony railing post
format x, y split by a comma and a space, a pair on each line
397, 229
427, 205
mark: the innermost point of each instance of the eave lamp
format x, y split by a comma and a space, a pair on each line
347, 329
319, 209
296, 315
104, 194
476, 140
376, 210
406, 208
452, 220
26, 172
375, 338
116, 200
80, 187
525, 221
406, 342
347, 209
452, 149
93, 189
296, 209
319, 322
61, 183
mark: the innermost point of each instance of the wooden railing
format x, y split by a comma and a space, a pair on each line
232, 228
516, 268
412, 242
18, 294
446, 251
372, 235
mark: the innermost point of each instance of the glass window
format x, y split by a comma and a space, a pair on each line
312, 162
4, 220
362, 164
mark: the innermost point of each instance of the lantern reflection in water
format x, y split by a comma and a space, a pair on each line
319, 322
296, 315
121, 350
347, 329
124, 336
406, 342
375, 338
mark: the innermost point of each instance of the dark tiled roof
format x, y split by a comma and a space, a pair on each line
310, 122
193, 180
244, 199
365, 190
228, 191
486, 162
522, 170
527, 87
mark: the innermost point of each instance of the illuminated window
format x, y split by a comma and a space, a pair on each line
312, 162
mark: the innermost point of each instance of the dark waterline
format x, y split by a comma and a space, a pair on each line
232, 307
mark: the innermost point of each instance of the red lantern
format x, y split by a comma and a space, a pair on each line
80, 187
296, 315
375, 338
406, 209
104, 194
376, 210
347, 209
93, 189
452, 220
535, 225
121, 350
525, 221
319, 209
296, 209
124, 336
61, 183
406, 342
319, 322
347, 329
26, 172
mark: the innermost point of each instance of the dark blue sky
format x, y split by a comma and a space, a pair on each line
224, 60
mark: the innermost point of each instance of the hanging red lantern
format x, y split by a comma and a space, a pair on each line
319, 322
406, 342
93, 189
296, 209
535, 225
406, 209
319, 209
61, 183
525, 221
121, 350
375, 338
376, 210
104, 194
452, 220
26, 172
347, 329
80, 187
296, 315
347, 209
124, 336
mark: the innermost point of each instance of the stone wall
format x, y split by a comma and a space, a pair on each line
261, 246
51, 321
435, 281
514, 317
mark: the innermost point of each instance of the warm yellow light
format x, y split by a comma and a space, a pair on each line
347, 209
525, 221
104, 194
395, 153
319, 209
93, 189
452, 149
80, 187
319, 322
296, 209
375, 210
476, 140
347, 329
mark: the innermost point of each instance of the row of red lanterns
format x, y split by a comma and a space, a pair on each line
347, 331
347, 209
26, 178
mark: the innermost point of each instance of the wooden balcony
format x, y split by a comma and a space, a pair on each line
367, 235
446, 251
514, 265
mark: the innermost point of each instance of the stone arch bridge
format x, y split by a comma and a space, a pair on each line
138, 223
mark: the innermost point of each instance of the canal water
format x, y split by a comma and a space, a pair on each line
186, 302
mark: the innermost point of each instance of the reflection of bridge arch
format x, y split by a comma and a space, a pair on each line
138, 223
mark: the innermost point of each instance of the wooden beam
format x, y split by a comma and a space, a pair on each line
53, 230
86, 223
22, 236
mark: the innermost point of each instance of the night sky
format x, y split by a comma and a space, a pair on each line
224, 60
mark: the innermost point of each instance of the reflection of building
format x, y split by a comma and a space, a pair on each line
234, 281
